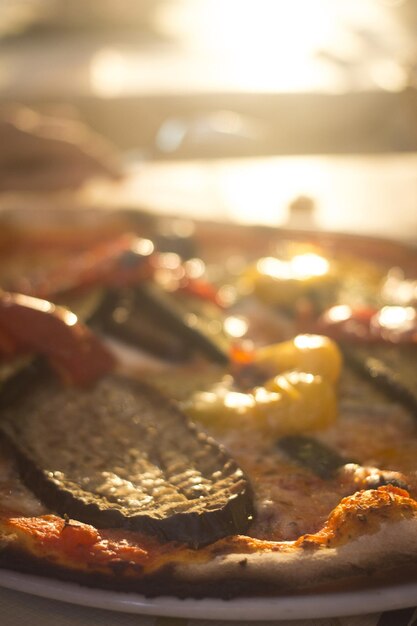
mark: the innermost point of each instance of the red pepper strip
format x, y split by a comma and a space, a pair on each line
241, 355
391, 324
124, 261
200, 289
31, 325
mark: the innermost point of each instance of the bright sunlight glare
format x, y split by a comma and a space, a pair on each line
273, 44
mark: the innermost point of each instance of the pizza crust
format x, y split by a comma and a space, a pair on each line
369, 539
365, 560
390, 556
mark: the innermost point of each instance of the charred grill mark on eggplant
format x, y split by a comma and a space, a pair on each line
121, 455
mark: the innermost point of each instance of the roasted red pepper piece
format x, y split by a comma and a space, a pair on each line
124, 261
31, 325
391, 324
200, 289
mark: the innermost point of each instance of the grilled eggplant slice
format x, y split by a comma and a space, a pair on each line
122, 316
161, 323
121, 455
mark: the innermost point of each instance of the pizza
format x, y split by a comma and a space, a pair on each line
226, 414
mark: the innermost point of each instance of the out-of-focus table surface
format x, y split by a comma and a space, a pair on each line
372, 195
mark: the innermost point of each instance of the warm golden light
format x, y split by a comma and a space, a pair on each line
195, 268
236, 326
269, 266
144, 247
308, 265
70, 318
170, 260
238, 401
310, 342
339, 313
276, 45
109, 73
268, 46
300, 267
264, 44
397, 317
36, 304
264, 396
42, 306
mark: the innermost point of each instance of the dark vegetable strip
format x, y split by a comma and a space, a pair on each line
136, 316
324, 461
393, 369
310, 453
179, 318
120, 315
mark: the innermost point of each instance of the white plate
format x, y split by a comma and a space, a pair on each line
286, 607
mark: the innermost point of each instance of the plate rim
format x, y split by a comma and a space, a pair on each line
307, 606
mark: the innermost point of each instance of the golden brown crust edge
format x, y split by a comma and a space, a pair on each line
359, 564
369, 539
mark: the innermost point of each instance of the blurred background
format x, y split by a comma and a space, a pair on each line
310, 89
